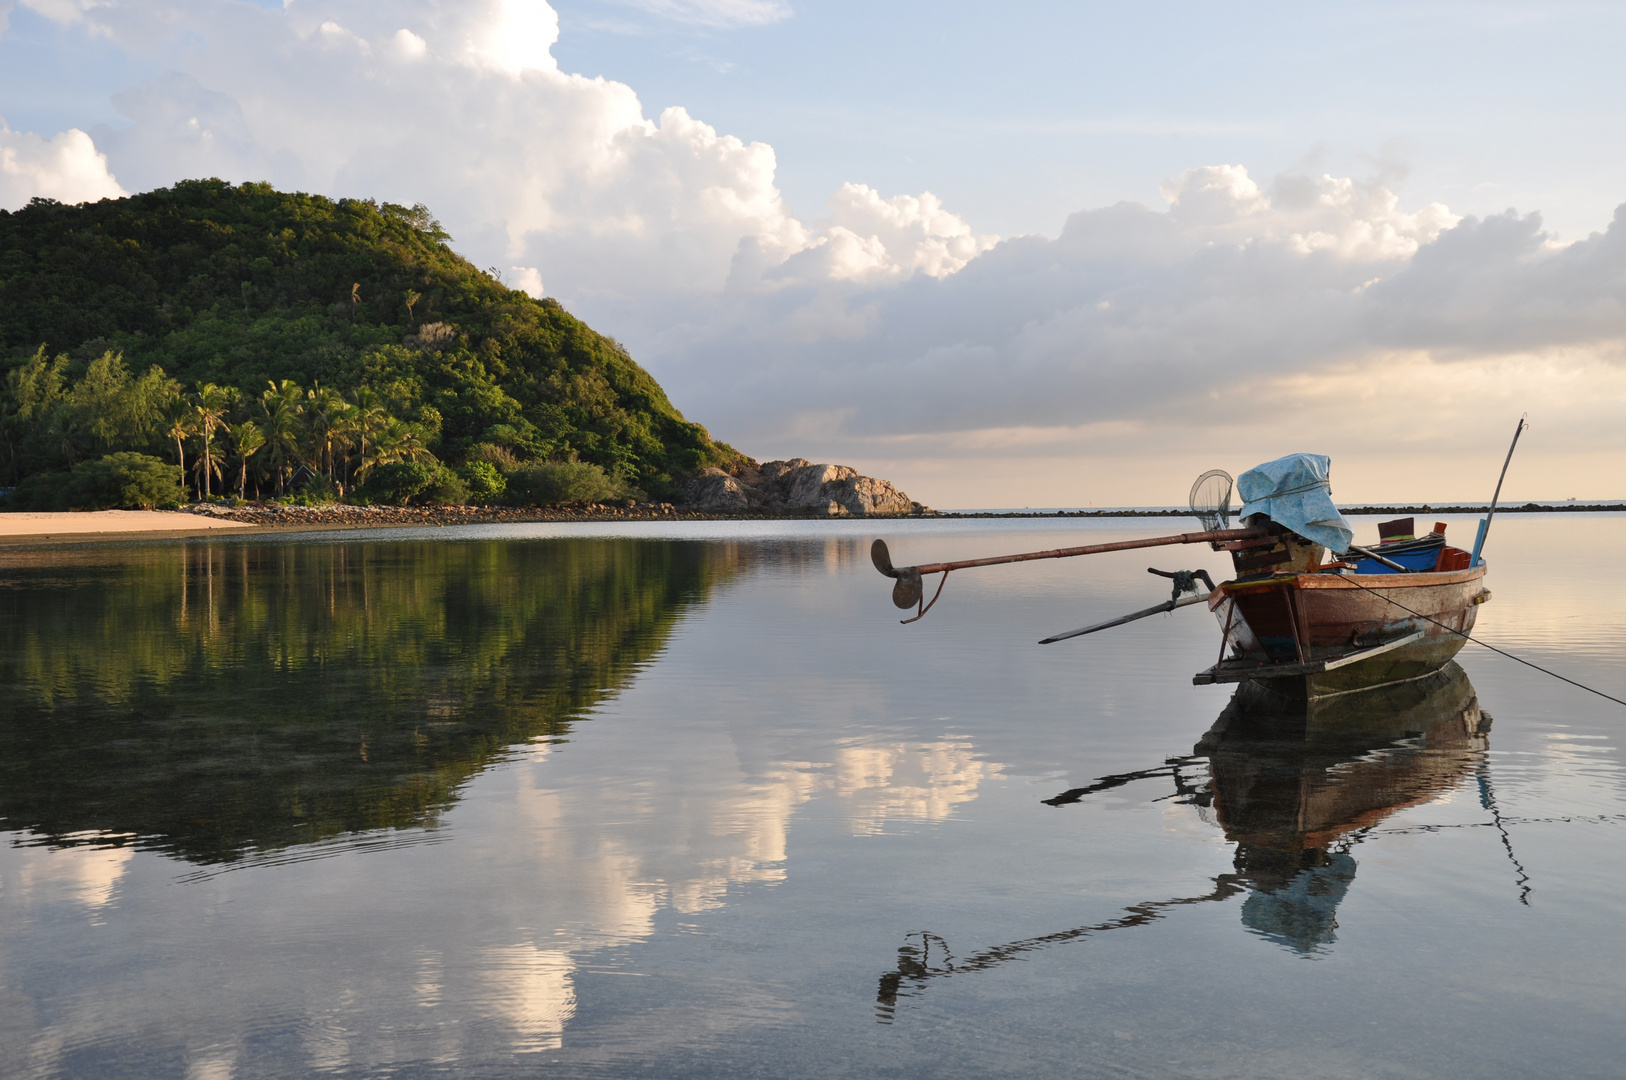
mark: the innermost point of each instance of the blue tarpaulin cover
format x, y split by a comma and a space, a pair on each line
1296, 491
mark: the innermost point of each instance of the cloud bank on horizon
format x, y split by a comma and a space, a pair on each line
1102, 365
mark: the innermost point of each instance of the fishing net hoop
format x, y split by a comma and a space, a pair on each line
1211, 499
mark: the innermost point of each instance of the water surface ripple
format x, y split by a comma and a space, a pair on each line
687, 800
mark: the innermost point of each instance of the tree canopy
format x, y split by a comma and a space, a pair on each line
157, 323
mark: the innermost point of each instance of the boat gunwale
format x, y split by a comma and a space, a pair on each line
1321, 579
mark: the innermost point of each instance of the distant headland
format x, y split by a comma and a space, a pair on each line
260, 351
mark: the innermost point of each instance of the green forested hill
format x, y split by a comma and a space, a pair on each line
338, 314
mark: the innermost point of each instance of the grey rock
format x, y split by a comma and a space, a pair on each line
840, 490
799, 485
714, 491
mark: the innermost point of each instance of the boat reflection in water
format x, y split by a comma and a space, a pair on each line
1295, 784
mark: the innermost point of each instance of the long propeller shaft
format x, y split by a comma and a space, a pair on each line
883, 560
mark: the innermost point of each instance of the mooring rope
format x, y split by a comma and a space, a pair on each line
1501, 652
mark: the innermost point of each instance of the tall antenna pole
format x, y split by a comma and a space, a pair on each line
1484, 526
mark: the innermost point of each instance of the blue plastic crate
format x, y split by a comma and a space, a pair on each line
1411, 560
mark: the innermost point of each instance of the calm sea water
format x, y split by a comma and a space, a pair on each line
690, 802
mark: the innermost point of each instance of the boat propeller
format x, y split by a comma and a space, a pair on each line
907, 589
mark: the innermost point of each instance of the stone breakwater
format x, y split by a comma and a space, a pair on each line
339, 515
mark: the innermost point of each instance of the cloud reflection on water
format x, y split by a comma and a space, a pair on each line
878, 783
85, 873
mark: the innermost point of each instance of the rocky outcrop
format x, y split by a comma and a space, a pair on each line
798, 486
714, 491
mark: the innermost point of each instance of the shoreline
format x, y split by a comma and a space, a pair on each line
34, 526
84, 526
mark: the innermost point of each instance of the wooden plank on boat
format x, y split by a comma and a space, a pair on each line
1231, 671
1376, 650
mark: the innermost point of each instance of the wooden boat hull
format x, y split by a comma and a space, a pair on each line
1319, 634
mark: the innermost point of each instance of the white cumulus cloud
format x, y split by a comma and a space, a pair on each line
871, 238
517, 36
528, 279
67, 168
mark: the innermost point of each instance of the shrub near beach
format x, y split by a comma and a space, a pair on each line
410, 483
123, 481
561, 482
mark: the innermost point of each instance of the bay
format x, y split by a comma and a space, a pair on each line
687, 800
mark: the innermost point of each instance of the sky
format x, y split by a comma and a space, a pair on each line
1003, 255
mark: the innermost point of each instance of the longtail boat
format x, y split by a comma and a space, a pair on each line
1309, 612
1335, 634
1388, 613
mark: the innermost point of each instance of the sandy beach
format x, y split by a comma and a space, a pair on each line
91, 522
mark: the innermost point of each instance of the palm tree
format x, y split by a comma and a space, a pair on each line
411, 298
63, 431
208, 463
371, 457
209, 407
249, 439
368, 421
279, 409
324, 413
397, 441
180, 428
345, 429
409, 443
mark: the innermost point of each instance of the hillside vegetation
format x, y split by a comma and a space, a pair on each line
256, 340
